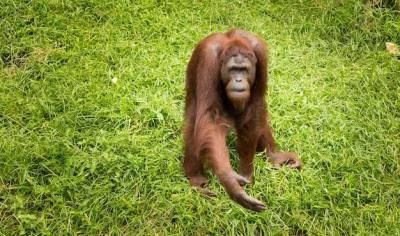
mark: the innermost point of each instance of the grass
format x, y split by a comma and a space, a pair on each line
82, 155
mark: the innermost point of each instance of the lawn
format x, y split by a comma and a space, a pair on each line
91, 114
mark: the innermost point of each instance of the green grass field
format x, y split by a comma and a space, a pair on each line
80, 154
